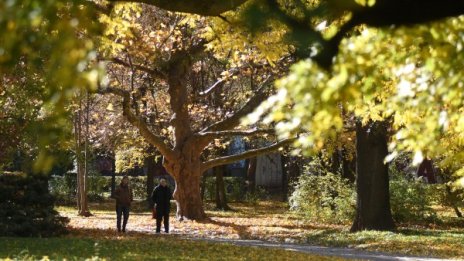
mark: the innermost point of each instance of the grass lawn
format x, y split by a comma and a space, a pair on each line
421, 242
136, 247
267, 220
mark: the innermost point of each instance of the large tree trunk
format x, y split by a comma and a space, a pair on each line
187, 174
372, 183
221, 200
188, 197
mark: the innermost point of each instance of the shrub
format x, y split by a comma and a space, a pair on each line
259, 193
137, 184
234, 186
325, 198
27, 207
99, 187
63, 188
411, 199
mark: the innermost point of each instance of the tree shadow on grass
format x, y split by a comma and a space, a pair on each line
242, 230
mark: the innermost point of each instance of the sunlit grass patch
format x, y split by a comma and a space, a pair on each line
138, 248
424, 242
271, 221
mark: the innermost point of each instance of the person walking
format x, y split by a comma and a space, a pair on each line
161, 197
124, 197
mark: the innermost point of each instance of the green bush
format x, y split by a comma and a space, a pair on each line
27, 207
259, 193
324, 198
234, 186
411, 199
99, 187
63, 188
138, 185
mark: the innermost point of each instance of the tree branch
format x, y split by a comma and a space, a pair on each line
245, 155
219, 83
203, 7
250, 106
153, 139
389, 13
227, 133
139, 67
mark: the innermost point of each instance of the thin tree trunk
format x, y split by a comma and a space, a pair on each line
285, 175
452, 199
81, 159
251, 175
203, 185
78, 156
372, 183
335, 161
221, 200
348, 167
113, 174
150, 172
84, 200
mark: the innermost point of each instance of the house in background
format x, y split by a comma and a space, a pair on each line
269, 172
264, 171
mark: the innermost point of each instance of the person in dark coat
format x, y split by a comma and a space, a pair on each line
161, 197
124, 197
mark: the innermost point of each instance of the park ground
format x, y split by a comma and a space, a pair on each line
268, 221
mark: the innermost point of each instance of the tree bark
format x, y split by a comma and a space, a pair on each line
221, 200
372, 183
188, 197
187, 173
81, 158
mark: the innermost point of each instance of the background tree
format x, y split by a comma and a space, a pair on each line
164, 60
33, 37
381, 75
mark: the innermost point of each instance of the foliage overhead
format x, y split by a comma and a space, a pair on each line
409, 76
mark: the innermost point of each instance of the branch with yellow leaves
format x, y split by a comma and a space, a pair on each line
234, 120
137, 122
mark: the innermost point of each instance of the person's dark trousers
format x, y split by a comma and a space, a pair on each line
165, 218
122, 211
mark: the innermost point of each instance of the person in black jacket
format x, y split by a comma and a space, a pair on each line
161, 197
